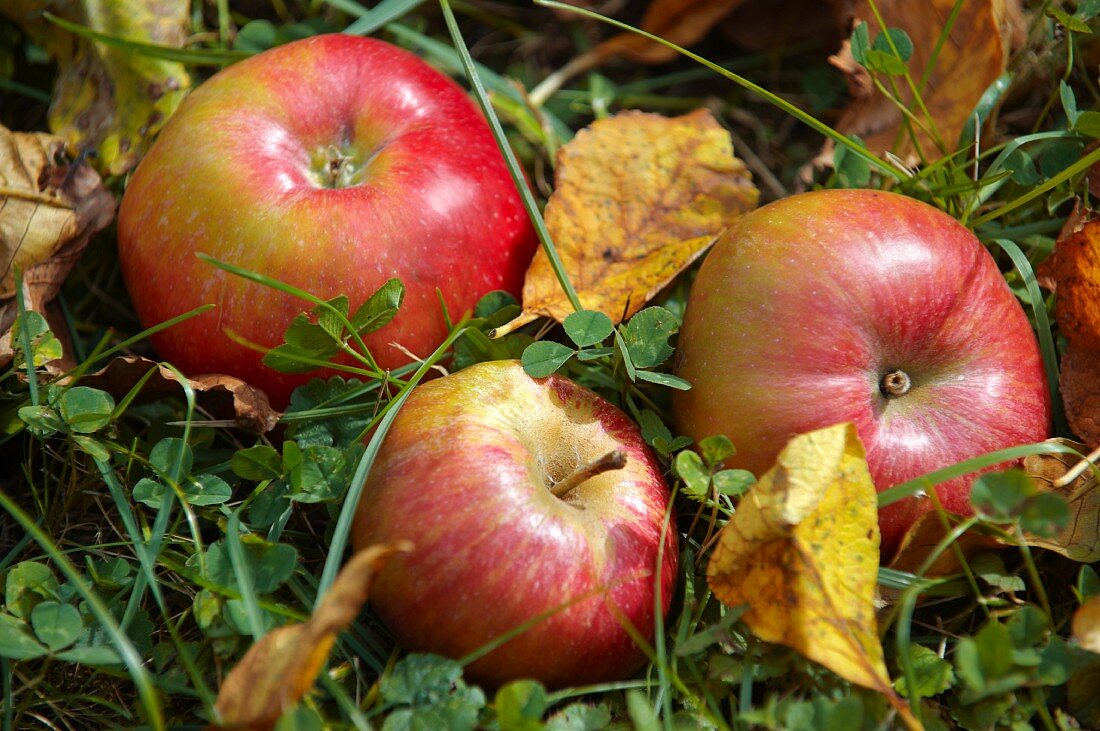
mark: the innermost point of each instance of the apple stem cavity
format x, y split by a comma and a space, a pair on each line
895, 383
614, 460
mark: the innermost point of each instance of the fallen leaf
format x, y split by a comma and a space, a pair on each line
107, 98
683, 22
1086, 625
979, 41
1079, 382
1073, 272
278, 670
49, 210
637, 198
223, 396
802, 552
1080, 539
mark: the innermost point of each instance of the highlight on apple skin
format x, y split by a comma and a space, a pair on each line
861, 306
332, 163
468, 473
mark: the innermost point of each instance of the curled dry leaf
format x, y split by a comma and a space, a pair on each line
109, 99
1080, 539
979, 41
802, 552
223, 396
1086, 625
278, 670
49, 210
1073, 272
637, 198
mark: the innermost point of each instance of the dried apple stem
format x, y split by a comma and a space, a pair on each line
895, 383
615, 460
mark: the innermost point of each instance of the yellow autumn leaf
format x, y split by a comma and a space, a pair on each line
110, 99
802, 552
278, 670
1086, 625
637, 198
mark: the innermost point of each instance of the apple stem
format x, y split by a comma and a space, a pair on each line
615, 460
339, 168
895, 383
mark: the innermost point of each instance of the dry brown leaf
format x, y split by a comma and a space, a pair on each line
980, 41
637, 198
683, 22
49, 210
1080, 539
278, 670
1073, 272
111, 99
1079, 382
1086, 625
802, 551
222, 396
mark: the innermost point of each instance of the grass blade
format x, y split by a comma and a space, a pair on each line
1042, 324
509, 157
342, 531
126, 650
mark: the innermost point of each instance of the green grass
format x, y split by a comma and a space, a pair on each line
114, 506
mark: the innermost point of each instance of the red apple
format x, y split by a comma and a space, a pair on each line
861, 306
468, 473
333, 163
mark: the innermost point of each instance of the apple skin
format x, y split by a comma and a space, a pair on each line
464, 474
805, 305
239, 173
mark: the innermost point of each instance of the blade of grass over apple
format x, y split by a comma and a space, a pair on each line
446, 58
509, 156
130, 657
1042, 325
342, 531
912, 487
856, 149
188, 57
267, 281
